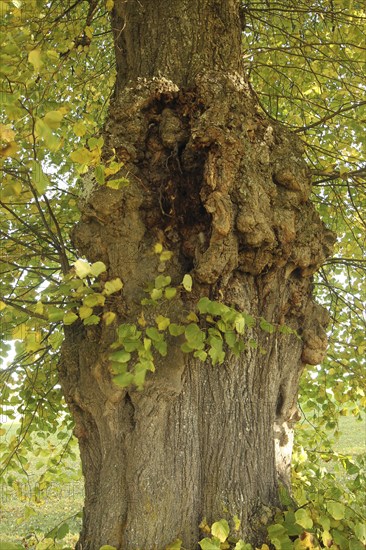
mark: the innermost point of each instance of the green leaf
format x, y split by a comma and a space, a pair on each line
39, 179
340, 539
100, 174
266, 326
121, 356
249, 320
126, 330
230, 339
240, 324
94, 299
324, 522
45, 544
241, 545
176, 330
162, 280
170, 292
195, 336
203, 305
55, 314
92, 320
123, 380
187, 282
162, 347
154, 334
176, 545
62, 531
209, 544
201, 355
118, 368
360, 531
56, 339
336, 509
69, 318
276, 530
303, 518
217, 355
156, 293
221, 530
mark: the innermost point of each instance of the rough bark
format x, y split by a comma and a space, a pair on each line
228, 192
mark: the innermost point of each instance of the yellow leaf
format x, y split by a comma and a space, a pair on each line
85, 312
141, 320
113, 168
109, 317
44, 131
19, 333
97, 268
192, 317
187, 282
6, 133
89, 32
39, 308
237, 524
82, 156
11, 190
158, 248
4, 6
10, 150
162, 322
2, 305
79, 129
34, 57
53, 119
69, 318
33, 341
166, 255
82, 268
343, 171
109, 5
112, 286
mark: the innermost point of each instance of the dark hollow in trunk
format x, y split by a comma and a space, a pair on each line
227, 191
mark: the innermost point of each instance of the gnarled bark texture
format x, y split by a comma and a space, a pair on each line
227, 191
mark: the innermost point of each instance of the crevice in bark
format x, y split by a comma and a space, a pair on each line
131, 409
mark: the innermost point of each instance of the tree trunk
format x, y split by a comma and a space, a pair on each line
227, 191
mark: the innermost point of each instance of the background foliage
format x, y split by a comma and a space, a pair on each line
306, 63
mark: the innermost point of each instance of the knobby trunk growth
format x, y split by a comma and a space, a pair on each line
227, 191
